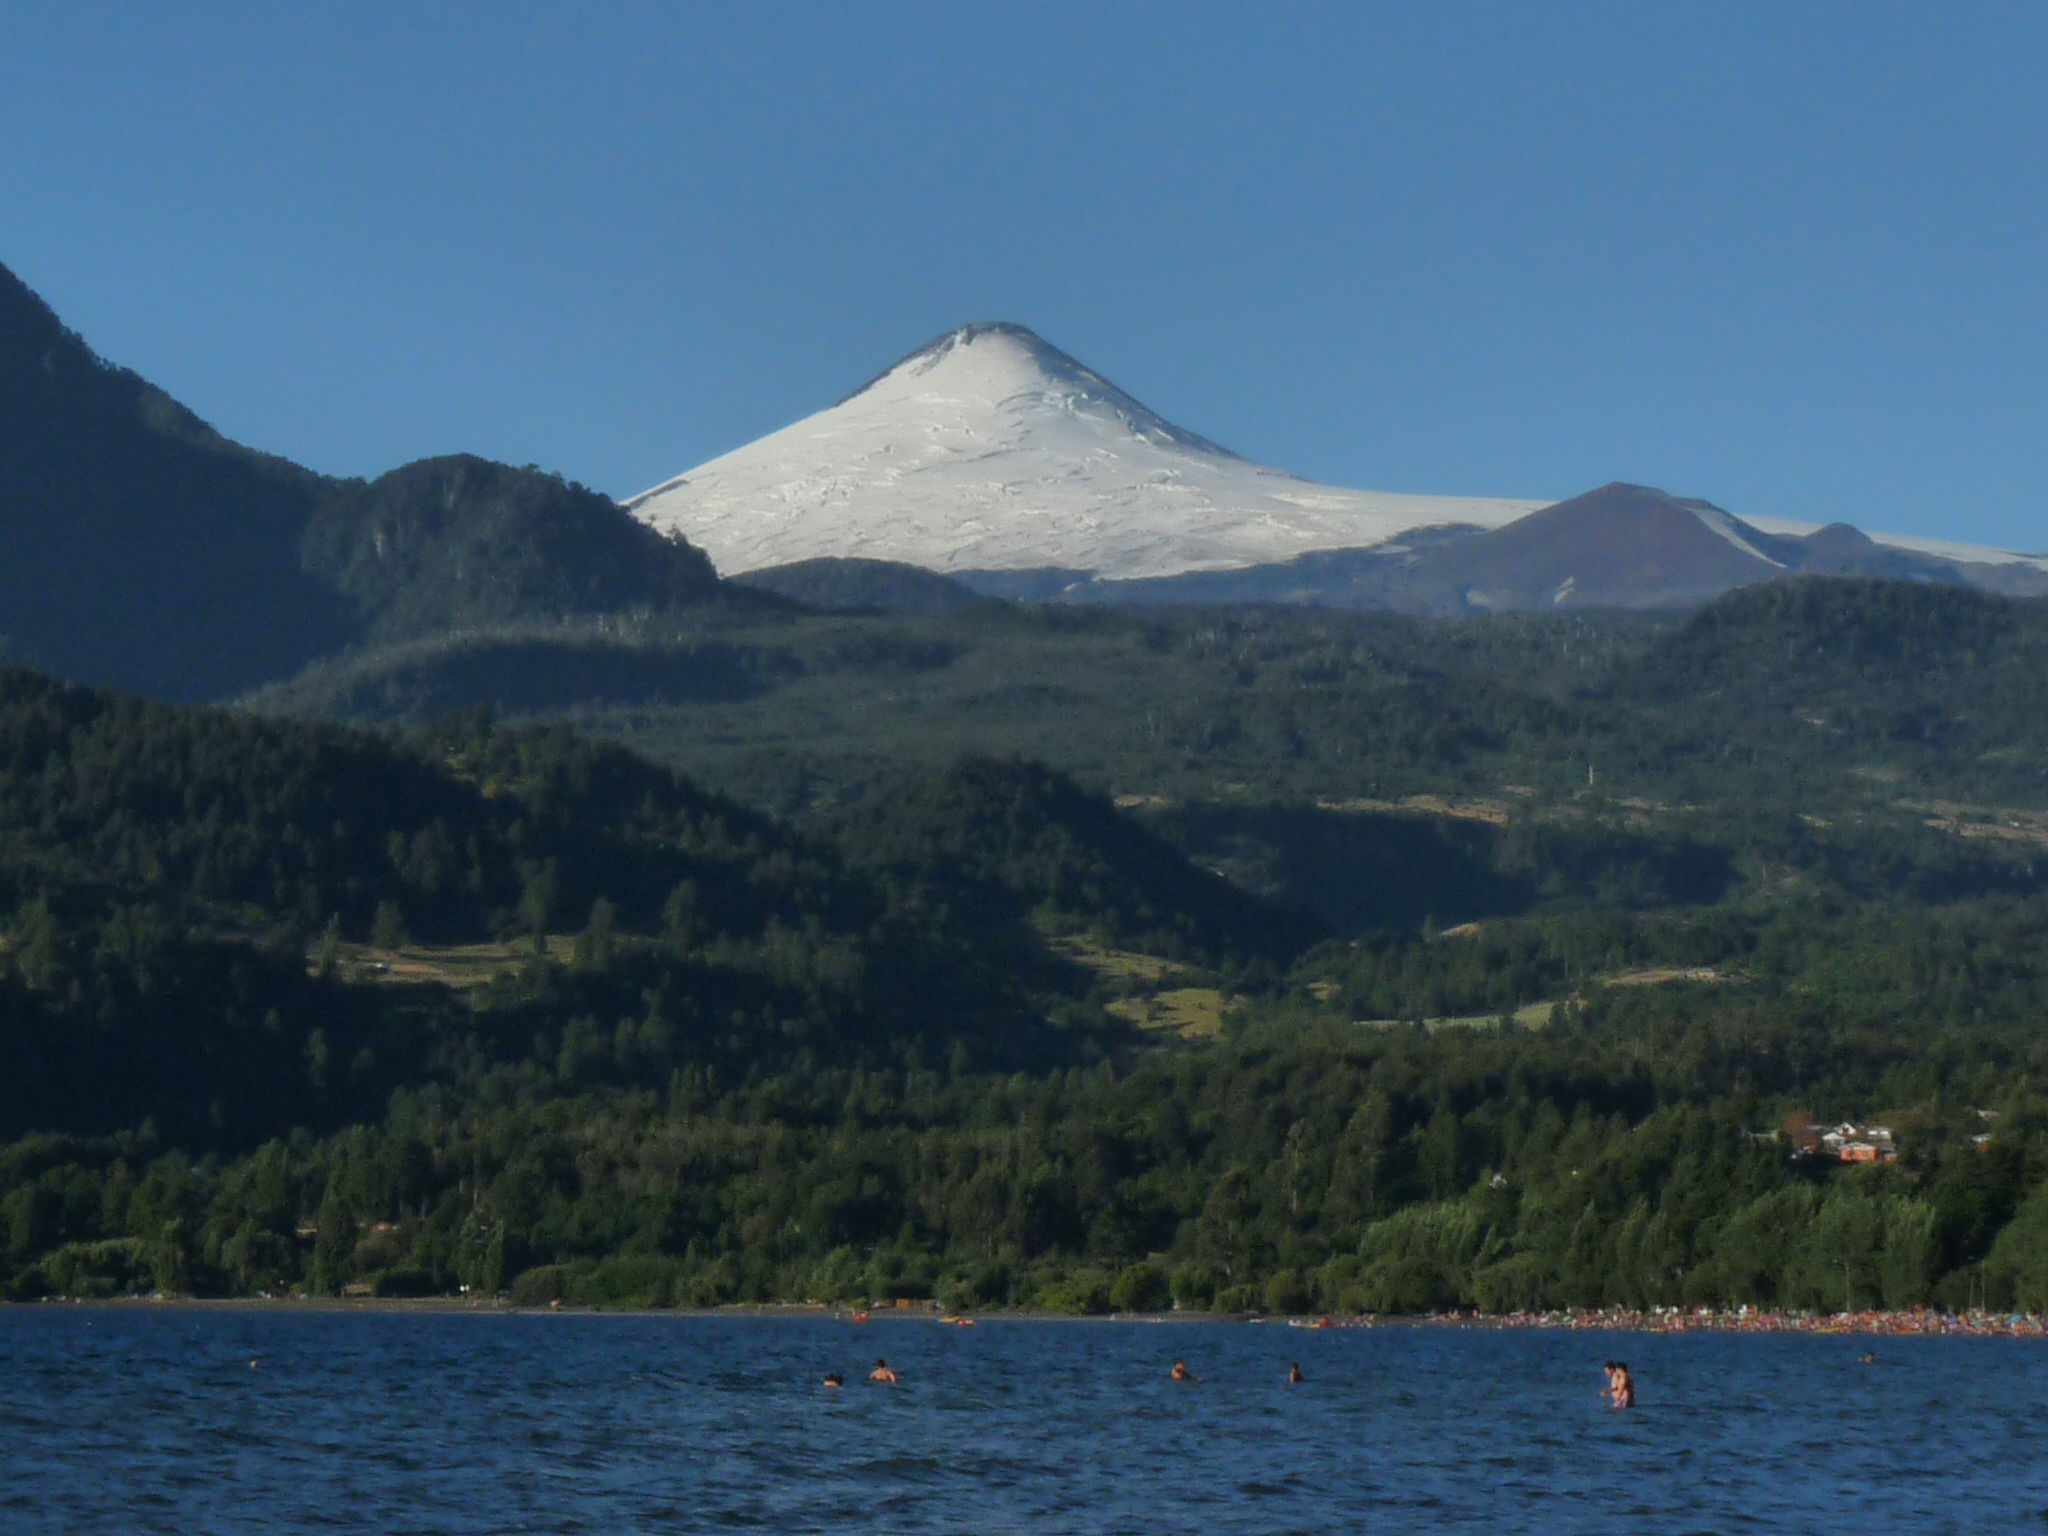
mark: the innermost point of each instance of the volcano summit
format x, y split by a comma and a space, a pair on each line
990, 449
993, 456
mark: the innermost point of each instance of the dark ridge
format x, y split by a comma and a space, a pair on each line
852, 584
144, 548
460, 541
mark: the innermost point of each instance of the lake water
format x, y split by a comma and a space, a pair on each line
130, 1419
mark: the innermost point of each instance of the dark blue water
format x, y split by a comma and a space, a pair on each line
115, 1420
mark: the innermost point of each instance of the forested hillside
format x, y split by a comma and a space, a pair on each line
185, 886
1865, 738
461, 543
1629, 1152
988, 832
1824, 687
1605, 911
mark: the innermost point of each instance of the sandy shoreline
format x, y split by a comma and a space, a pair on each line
1918, 1323
458, 1307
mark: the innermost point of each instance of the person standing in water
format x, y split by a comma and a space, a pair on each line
1294, 1375
882, 1373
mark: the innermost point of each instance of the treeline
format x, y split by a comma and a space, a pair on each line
1390, 1173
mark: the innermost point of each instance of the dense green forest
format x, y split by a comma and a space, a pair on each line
1505, 953
1819, 691
1299, 1163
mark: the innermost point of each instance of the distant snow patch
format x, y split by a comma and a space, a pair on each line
1724, 525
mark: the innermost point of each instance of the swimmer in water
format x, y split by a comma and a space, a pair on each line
834, 1379
1868, 1357
882, 1373
1624, 1386
1294, 1375
1182, 1373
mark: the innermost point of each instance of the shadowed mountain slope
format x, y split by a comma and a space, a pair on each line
464, 542
143, 548
1619, 547
147, 551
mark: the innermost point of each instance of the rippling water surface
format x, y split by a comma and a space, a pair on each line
133, 1419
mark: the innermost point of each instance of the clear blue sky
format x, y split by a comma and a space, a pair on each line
1789, 257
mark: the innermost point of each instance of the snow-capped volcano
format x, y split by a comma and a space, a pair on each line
990, 449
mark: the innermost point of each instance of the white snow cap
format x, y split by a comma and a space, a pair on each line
991, 449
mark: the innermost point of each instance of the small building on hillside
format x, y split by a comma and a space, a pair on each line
1852, 1143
